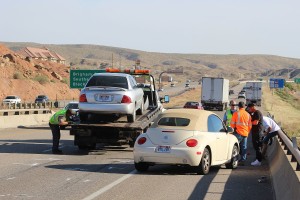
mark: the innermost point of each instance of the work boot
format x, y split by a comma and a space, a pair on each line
57, 151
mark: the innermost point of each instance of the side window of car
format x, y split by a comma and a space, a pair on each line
215, 124
132, 82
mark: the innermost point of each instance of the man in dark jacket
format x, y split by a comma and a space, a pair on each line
257, 132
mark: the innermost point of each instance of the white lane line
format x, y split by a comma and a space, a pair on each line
108, 187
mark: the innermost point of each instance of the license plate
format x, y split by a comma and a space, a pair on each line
163, 149
103, 98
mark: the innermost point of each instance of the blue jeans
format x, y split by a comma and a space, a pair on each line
268, 136
243, 145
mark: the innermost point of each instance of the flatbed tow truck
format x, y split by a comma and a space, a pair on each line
118, 131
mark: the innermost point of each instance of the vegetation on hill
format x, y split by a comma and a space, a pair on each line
195, 65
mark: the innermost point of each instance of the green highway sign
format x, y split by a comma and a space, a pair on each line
297, 80
78, 78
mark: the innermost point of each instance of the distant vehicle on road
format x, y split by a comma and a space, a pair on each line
12, 99
242, 95
191, 137
172, 84
41, 99
187, 85
193, 104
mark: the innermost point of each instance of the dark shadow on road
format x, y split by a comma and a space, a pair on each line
35, 127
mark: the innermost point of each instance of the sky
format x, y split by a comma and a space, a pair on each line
167, 26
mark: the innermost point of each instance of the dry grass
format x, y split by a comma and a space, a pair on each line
179, 101
284, 113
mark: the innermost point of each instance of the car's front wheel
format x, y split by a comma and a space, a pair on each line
204, 165
234, 158
141, 167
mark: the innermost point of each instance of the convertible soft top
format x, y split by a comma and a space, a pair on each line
198, 118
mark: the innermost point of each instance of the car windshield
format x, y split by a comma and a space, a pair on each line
10, 97
110, 81
72, 106
174, 121
41, 97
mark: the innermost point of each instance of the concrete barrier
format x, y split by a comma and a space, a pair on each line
13, 121
284, 171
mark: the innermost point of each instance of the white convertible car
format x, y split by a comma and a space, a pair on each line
187, 137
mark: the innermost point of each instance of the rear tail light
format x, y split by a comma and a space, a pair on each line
126, 99
191, 143
82, 98
142, 140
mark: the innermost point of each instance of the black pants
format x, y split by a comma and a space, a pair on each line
55, 135
257, 145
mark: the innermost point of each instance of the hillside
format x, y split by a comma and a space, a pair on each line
29, 78
195, 65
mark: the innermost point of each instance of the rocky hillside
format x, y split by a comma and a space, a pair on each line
29, 78
195, 65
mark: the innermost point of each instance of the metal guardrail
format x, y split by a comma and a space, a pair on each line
290, 145
11, 112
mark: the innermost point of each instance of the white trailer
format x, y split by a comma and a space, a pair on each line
215, 93
253, 92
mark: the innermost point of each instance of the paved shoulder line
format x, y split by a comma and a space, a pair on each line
108, 187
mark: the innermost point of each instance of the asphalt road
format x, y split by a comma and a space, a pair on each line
28, 170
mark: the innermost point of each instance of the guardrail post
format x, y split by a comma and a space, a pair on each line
294, 141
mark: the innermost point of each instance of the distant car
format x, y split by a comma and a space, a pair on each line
12, 99
187, 85
231, 92
196, 138
172, 85
111, 94
242, 95
41, 99
192, 104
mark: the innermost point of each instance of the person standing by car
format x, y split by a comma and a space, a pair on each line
58, 119
256, 131
229, 112
271, 129
241, 123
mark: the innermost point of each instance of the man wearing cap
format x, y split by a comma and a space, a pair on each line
229, 112
241, 123
257, 132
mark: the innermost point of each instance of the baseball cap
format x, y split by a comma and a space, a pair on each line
251, 105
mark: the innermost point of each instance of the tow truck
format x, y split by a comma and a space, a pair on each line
119, 131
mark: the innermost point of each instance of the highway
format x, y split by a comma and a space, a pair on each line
28, 170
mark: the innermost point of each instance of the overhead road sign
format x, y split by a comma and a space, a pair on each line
276, 83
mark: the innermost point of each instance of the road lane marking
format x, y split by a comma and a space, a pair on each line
110, 186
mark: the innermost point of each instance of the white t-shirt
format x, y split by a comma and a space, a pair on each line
268, 122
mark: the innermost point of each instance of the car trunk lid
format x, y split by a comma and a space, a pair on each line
165, 136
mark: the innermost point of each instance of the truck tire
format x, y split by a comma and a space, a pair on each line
83, 117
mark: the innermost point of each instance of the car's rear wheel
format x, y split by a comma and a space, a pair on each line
141, 110
204, 165
132, 117
83, 117
234, 159
141, 167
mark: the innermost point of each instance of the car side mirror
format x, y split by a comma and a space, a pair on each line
230, 129
166, 99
